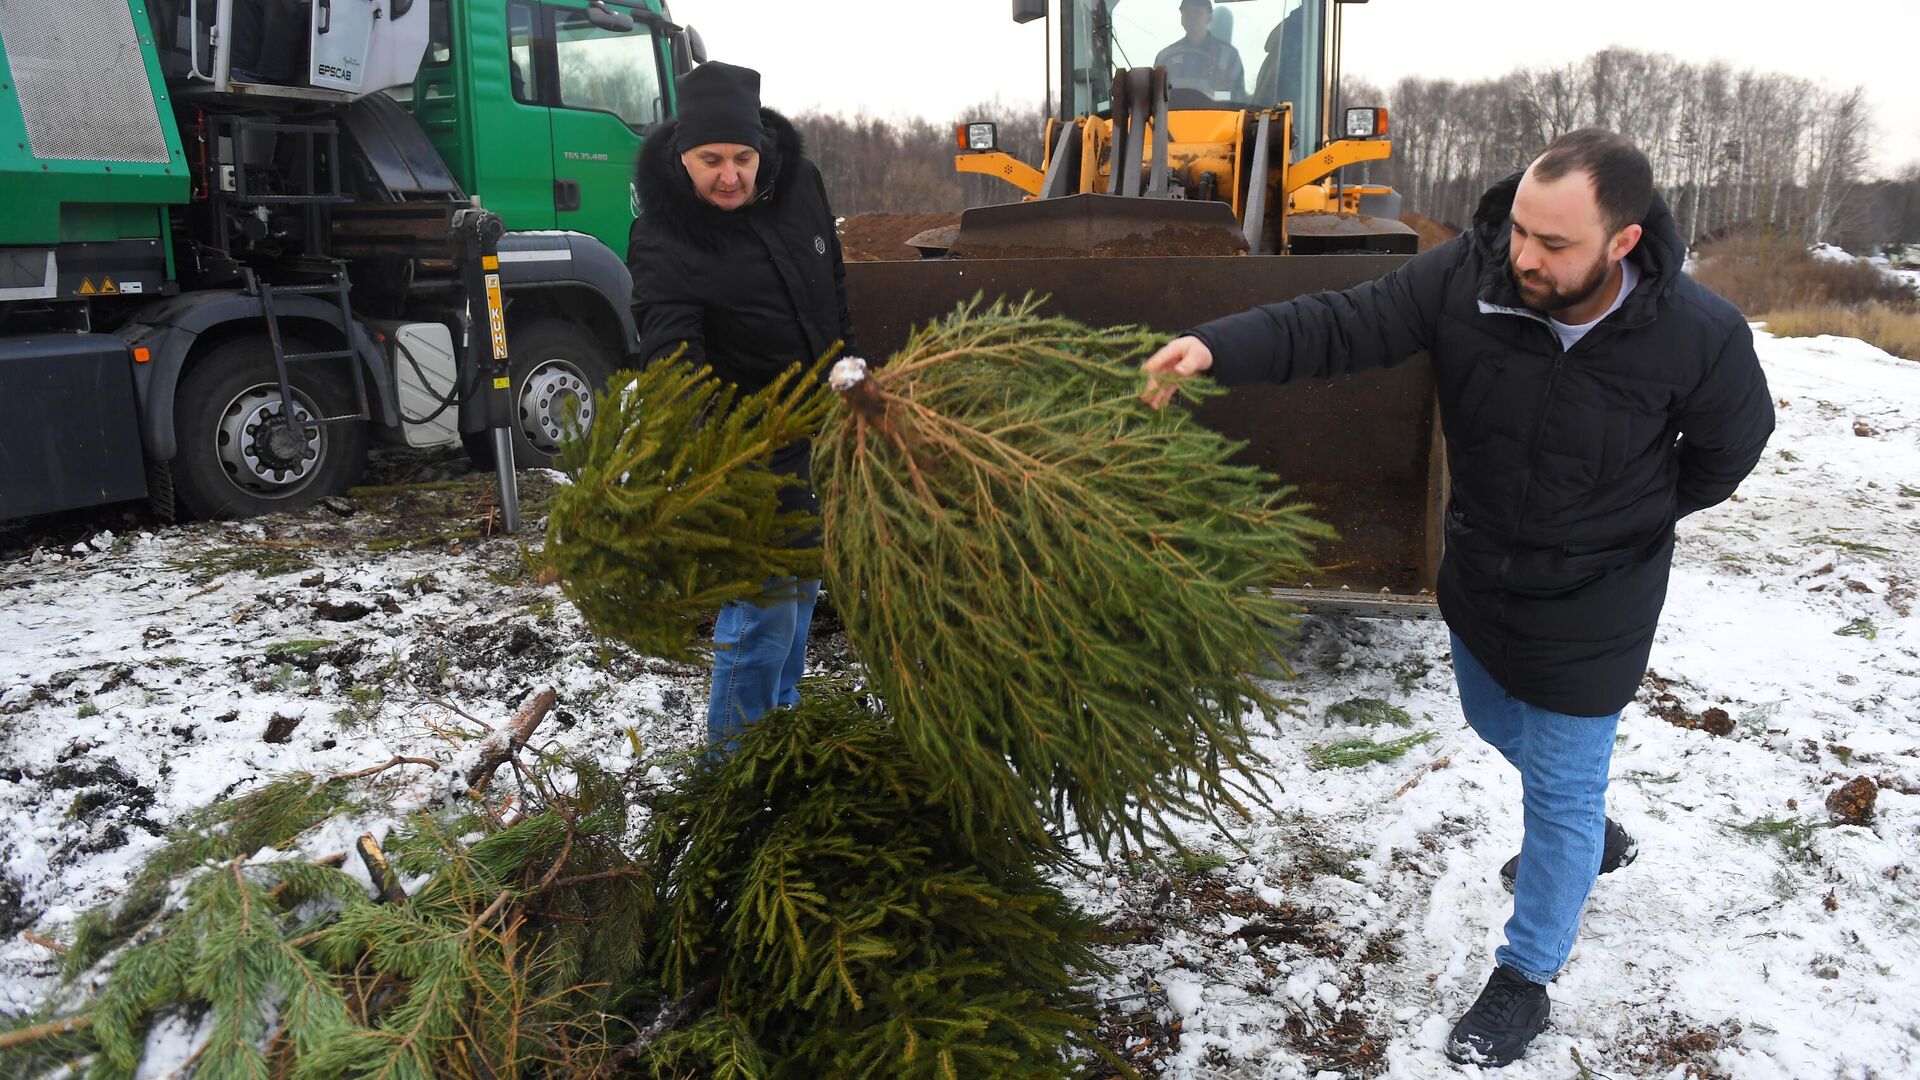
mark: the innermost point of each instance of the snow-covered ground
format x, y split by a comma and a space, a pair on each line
1337, 933
1830, 253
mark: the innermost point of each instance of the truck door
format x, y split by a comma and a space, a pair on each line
342, 37
511, 137
608, 88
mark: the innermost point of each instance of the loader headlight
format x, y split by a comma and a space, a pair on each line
978, 136
1367, 123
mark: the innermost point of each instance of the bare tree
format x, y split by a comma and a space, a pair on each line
1730, 148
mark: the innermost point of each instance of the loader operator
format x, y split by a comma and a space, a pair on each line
1201, 61
736, 258
1591, 395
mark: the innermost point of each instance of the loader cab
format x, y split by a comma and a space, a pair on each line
1280, 50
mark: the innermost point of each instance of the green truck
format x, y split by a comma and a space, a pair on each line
245, 238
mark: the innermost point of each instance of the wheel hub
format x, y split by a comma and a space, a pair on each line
261, 450
554, 399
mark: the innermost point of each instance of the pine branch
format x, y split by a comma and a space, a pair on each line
44, 942
23, 1036
501, 745
375, 770
385, 882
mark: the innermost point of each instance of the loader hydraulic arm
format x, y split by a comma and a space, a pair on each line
999, 163
1334, 156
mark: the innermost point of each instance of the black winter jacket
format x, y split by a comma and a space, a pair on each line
750, 292
1569, 468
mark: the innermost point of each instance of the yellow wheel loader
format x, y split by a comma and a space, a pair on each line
1193, 170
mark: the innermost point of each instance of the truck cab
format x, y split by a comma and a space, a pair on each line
333, 216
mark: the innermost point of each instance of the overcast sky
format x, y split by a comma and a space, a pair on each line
933, 58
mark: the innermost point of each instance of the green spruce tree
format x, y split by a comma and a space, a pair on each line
672, 512
816, 890
1061, 595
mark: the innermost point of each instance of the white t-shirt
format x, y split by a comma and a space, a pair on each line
1629, 277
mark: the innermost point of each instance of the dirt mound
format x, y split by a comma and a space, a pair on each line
1432, 233
883, 237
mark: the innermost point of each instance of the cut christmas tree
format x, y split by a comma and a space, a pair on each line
672, 511
815, 891
1061, 595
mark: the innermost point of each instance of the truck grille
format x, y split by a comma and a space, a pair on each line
82, 81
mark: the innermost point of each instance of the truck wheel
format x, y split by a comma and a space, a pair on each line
556, 368
237, 455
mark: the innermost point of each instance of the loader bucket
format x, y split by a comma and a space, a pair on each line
1101, 226
1364, 450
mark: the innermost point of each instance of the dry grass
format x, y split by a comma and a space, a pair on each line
1895, 329
1762, 272
1778, 281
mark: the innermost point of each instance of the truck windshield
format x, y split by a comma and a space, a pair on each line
1232, 54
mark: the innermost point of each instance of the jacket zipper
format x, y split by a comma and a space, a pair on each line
1533, 462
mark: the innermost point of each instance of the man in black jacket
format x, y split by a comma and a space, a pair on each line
735, 258
1591, 395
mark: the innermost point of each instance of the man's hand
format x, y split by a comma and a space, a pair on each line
1181, 358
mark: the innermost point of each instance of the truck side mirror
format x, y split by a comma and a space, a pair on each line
604, 17
1025, 11
696, 46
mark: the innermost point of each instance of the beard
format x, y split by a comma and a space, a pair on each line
1545, 295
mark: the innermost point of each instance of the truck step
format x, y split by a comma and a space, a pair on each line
314, 289
324, 198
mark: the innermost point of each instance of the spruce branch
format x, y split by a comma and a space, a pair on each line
673, 511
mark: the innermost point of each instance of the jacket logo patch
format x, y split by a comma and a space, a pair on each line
820, 244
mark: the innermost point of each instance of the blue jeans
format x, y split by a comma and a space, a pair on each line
1563, 780
759, 651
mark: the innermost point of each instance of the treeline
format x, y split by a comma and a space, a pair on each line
1731, 148
906, 166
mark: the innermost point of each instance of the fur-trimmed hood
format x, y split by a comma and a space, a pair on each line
751, 291
667, 198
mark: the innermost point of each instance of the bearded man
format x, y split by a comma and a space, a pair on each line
1591, 395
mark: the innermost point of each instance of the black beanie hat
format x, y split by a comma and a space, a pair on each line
719, 103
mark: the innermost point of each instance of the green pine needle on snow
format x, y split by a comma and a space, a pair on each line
1352, 753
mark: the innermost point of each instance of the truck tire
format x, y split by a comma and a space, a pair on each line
556, 368
236, 459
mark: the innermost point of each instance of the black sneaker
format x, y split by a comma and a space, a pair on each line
1504, 1019
1618, 850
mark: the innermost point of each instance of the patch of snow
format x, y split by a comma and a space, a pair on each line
1749, 923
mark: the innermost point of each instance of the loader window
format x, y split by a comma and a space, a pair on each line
608, 71
1224, 54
